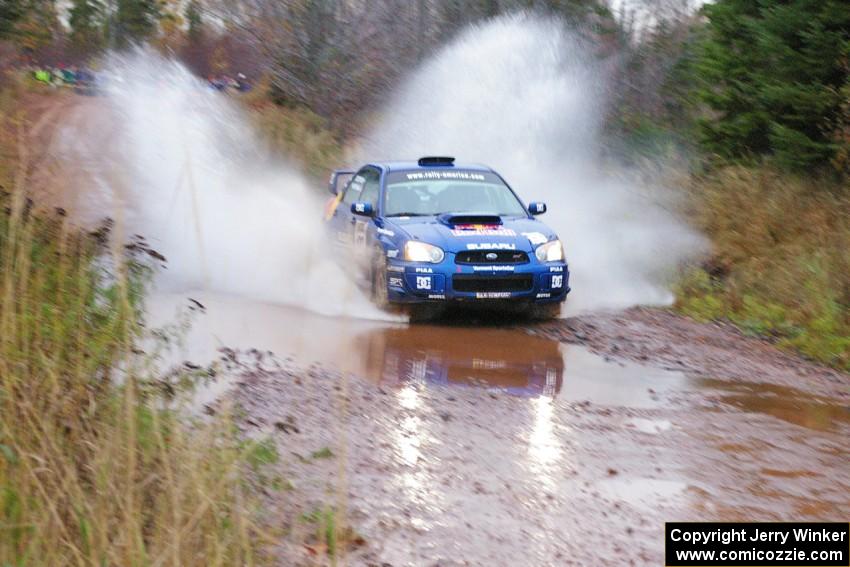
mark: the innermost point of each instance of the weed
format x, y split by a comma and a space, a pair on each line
296, 132
323, 453
780, 263
97, 466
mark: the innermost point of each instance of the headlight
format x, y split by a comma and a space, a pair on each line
552, 251
415, 251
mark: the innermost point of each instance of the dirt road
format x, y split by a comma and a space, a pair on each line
568, 443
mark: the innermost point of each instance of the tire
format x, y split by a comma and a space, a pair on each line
380, 296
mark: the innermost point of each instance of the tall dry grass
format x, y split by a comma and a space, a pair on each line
295, 132
781, 259
98, 464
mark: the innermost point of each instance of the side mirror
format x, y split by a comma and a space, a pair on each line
338, 179
537, 208
362, 209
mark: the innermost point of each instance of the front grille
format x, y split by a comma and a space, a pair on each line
502, 257
476, 283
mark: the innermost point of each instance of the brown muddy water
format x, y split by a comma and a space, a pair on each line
509, 360
481, 445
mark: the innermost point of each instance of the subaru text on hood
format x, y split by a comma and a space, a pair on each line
433, 233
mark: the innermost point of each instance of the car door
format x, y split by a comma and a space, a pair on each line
351, 230
341, 217
363, 228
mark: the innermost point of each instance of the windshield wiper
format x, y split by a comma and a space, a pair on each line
410, 215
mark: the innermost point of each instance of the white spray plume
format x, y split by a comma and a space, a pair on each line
189, 175
522, 95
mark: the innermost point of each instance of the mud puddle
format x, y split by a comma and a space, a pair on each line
511, 361
791, 405
451, 445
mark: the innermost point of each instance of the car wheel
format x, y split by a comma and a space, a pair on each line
379, 284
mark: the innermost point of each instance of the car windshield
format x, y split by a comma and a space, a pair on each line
424, 193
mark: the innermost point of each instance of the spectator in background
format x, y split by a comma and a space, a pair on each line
42, 76
69, 76
56, 76
217, 83
242, 84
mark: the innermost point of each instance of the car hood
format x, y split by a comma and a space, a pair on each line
454, 233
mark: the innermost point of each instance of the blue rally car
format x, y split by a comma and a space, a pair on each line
435, 233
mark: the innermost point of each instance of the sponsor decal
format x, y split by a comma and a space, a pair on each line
423, 282
391, 268
481, 230
385, 232
460, 175
491, 246
436, 296
557, 282
484, 364
556, 269
492, 294
360, 234
392, 253
543, 295
330, 207
493, 268
535, 237
396, 282
424, 270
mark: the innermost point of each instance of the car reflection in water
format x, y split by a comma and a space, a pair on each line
511, 361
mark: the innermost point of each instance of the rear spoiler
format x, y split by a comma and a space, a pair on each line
338, 175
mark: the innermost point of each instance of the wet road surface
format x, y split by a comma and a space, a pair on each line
469, 446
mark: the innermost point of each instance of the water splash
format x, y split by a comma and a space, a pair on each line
525, 97
183, 168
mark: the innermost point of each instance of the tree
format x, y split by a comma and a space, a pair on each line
10, 12
195, 21
772, 73
310, 51
135, 21
86, 22
37, 25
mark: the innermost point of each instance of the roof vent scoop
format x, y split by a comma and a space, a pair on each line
470, 219
436, 160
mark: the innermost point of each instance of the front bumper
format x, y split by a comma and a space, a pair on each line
534, 282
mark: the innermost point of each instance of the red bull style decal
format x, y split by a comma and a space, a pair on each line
481, 230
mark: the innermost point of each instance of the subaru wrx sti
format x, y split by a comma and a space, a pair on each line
436, 234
